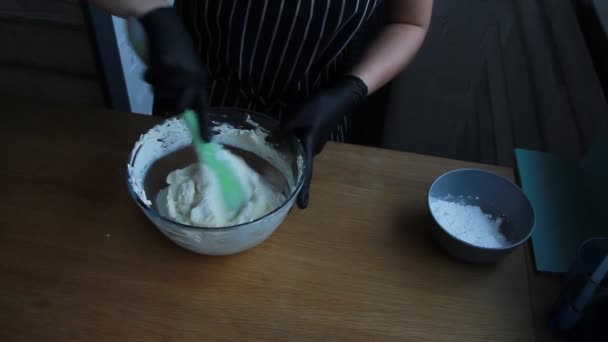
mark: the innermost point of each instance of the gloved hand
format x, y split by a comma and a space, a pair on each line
315, 120
175, 70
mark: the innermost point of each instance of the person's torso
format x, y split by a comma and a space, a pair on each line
266, 54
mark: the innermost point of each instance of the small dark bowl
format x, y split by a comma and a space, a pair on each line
495, 195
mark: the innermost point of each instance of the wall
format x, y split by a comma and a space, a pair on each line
495, 75
46, 53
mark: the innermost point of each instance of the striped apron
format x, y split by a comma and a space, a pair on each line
269, 55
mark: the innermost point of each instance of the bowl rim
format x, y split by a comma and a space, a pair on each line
503, 179
220, 111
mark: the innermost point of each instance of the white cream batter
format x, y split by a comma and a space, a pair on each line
194, 197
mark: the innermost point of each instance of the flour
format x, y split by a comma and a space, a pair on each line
469, 223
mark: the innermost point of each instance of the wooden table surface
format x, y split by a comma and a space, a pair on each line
79, 261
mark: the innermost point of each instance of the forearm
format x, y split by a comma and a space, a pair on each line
129, 8
397, 43
389, 54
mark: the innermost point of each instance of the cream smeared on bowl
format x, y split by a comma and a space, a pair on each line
192, 195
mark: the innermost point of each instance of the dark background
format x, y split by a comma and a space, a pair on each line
492, 75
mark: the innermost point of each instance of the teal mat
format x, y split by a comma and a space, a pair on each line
569, 199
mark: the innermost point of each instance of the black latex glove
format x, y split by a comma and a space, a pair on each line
318, 117
176, 72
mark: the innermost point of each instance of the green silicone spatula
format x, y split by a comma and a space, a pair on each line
207, 152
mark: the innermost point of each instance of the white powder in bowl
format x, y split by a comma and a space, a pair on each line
469, 223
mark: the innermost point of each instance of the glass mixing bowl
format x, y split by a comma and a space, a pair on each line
167, 147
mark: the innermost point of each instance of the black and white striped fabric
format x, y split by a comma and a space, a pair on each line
267, 55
